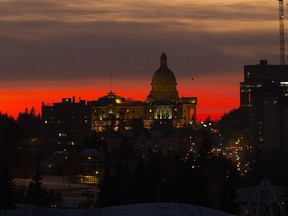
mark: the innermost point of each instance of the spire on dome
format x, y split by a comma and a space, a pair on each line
163, 60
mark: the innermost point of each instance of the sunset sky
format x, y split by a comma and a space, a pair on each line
51, 49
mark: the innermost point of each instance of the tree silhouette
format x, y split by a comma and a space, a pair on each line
29, 123
9, 137
205, 147
7, 187
36, 194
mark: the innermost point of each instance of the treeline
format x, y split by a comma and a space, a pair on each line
20, 157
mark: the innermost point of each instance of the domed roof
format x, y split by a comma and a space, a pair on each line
163, 83
163, 74
111, 98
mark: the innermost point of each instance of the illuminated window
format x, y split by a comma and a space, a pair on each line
62, 135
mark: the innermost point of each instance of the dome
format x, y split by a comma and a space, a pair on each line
163, 74
111, 98
163, 83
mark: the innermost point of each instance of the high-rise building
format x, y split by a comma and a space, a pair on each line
264, 94
66, 125
256, 75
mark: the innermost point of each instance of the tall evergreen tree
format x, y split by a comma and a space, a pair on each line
36, 194
29, 123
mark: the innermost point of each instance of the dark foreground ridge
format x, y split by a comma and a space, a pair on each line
147, 209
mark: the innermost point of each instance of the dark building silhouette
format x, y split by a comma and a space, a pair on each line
66, 125
256, 75
264, 94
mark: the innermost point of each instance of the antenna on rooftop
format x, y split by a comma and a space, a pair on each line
192, 80
110, 82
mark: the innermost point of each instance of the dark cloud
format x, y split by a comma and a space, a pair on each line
76, 39
83, 56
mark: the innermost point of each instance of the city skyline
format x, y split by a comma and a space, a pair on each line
51, 50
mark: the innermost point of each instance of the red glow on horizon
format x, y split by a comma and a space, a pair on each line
212, 100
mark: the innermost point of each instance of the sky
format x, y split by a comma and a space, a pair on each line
53, 49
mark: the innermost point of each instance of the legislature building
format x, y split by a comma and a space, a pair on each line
69, 122
162, 106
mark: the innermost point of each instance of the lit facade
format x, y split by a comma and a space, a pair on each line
162, 106
68, 123
113, 112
